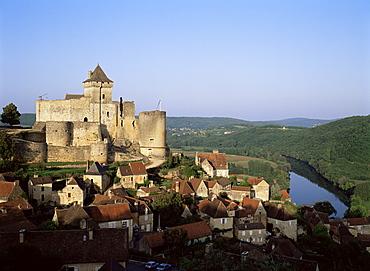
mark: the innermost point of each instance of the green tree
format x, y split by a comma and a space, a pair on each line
325, 207
10, 115
48, 225
7, 146
175, 240
169, 206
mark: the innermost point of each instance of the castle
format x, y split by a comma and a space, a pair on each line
91, 126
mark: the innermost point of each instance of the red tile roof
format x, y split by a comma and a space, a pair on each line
255, 181
6, 189
217, 160
184, 187
125, 170
138, 168
20, 204
110, 212
251, 204
14, 220
195, 230
284, 194
241, 188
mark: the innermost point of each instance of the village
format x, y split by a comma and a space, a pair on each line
118, 219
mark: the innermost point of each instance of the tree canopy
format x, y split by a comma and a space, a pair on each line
169, 206
325, 207
10, 115
7, 146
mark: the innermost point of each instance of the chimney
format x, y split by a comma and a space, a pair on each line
22, 232
35, 175
215, 151
177, 186
87, 165
151, 184
16, 183
89, 73
91, 234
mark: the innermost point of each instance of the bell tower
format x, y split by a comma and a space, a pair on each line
98, 86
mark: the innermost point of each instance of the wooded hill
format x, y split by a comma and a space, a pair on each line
339, 150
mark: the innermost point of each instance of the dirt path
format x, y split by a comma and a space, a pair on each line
154, 162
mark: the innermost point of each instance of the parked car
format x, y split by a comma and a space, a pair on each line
151, 265
164, 266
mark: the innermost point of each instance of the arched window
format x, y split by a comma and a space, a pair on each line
85, 119
103, 96
107, 114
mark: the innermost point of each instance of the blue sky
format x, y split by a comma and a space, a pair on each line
253, 60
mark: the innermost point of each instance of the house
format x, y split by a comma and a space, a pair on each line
254, 233
282, 247
255, 209
73, 217
10, 191
74, 191
19, 204
285, 196
97, 174
13, 219
40, 189
112, 216
281, 221
219, 218
214, 164
80, 249
221, 185
154, 243
141, 213
261, 188
147, 191
184, 188
133, 174
239, 192
200, 187
359, 225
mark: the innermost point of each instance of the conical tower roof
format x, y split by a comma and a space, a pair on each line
98, 75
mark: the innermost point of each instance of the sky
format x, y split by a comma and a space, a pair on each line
252, 60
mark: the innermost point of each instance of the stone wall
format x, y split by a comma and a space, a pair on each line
68, 154
30, 152
152, 133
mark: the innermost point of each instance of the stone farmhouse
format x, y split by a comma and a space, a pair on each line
133, 174
261, 188
214, 164
91, 126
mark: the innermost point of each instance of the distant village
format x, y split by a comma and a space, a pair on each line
116, 219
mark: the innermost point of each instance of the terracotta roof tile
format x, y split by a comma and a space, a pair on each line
255, 181
21, 204
224, 182
214, 208
6, 188
195, 183
277, 212
251, 204
284, 194
184, 187
125, 170
14, 220
195, 230
250, 226
217, 160
241, 188
138, 168
111, 212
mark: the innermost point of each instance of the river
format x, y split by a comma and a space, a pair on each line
308, 187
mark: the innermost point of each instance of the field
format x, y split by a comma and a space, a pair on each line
236, 159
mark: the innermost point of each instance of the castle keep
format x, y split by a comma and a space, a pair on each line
91, 126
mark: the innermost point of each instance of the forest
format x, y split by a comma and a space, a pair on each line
339, 150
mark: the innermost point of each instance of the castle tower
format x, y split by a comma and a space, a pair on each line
98, 86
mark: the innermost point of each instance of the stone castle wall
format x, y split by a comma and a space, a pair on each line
28, 151
152, 133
